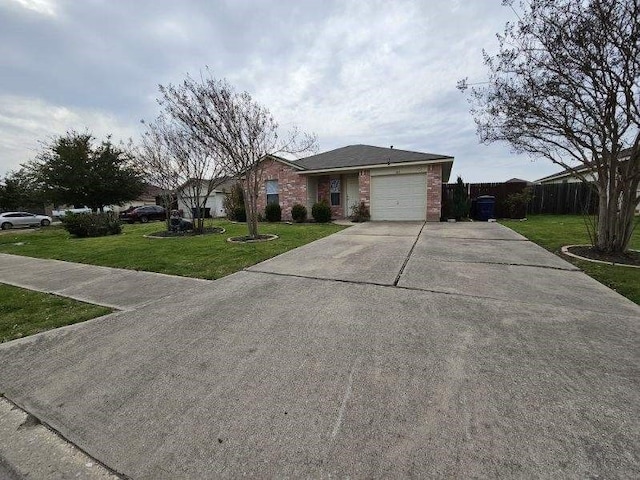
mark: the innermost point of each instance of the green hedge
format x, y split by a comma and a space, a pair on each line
92, 224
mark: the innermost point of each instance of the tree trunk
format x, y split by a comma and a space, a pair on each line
615, 222
250, 205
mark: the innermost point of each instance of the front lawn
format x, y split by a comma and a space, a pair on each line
208, 256
25, 312
554, 231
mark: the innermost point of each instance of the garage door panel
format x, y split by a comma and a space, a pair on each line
399, 197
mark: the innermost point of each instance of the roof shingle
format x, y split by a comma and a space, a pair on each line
361, 155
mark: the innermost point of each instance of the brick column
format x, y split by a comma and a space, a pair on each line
434, 192
364, 185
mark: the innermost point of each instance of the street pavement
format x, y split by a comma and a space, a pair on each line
386, 350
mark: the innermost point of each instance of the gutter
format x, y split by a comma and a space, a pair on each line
377, 166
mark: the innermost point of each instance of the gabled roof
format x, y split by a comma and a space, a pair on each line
295, 165
364, 155
221, 184
580, 168
355, 156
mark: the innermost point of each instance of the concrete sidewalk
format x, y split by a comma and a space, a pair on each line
111, 287
357, 358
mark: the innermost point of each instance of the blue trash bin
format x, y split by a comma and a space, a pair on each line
485, 207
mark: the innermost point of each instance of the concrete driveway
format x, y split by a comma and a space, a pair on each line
386, 350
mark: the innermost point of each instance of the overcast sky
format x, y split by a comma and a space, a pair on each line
379, 73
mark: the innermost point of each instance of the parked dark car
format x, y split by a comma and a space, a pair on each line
144, 214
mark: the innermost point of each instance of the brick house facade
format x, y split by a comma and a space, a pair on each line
339, 177
292, 188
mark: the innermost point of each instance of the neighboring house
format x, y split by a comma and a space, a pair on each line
519, 180
214, 206
151, 196
568, 176
394, 184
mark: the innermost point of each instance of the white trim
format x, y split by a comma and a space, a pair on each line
375, 166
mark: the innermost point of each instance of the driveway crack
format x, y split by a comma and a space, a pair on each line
406, 260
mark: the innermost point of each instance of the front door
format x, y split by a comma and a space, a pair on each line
352, 194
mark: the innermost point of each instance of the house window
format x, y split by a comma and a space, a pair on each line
335, 192
272, 191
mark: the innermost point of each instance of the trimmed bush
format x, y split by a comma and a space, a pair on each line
239, 214
360, 213
92, 224
273, 212
299, 213
321, 212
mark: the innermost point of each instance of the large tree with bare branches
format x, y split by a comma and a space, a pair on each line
565, 86
176, 162
240, 130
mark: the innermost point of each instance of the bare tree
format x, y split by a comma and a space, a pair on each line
155, 160
178, 163
237, 128
565, 86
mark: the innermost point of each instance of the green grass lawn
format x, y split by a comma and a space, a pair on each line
208, 256
25, 312
554, 231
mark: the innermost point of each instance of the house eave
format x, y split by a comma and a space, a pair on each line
355, 168
283, 161
560, 175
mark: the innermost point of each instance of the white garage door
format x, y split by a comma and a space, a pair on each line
399, 197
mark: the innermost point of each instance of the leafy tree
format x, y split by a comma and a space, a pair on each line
565, 85
18, 192
73, 170
239, 130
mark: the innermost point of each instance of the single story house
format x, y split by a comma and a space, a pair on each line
151, 196
214, 206
395, 184
569, 175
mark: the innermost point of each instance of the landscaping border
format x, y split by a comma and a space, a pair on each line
565, 250
223, 230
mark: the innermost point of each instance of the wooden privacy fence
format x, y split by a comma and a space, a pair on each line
564, 198
556, 198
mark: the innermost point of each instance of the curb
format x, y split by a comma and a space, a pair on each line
565, 250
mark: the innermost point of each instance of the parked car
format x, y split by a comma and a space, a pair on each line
144, 214
62, 213
23, 219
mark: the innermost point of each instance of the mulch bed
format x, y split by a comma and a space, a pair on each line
249, 239
628, 258
190, 233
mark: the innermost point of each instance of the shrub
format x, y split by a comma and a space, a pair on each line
273, 212
517, 203
461, 204
239, 214
92, 224
360, 213
233, 204
321, 212
299, 213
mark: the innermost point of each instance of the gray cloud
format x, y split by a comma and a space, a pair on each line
375, 72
